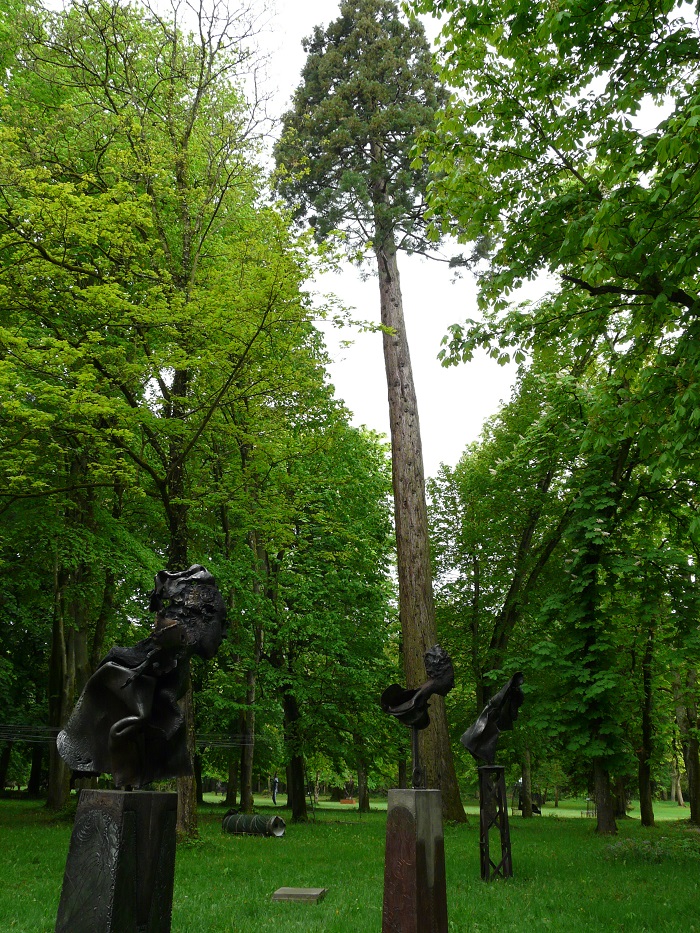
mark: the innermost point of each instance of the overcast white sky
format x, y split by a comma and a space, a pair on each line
454, 402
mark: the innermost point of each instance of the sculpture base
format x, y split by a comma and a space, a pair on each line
121, 864
415, 893
493, 812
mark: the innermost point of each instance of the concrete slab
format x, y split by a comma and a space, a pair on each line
300, 894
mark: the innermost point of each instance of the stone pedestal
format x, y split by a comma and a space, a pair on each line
493, 809
415, 895
121, 864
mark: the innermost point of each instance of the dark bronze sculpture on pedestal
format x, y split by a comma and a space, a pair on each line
127, 722
415, 891
411, 706
481, 739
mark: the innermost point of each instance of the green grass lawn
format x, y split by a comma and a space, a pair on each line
566, 878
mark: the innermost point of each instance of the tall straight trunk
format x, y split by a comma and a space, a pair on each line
691, 748
692, 768
248, 717
527, 784
676, 790
646, 806
60, 695
403, 773
187, 785
97, 651
290, 786
687, 719
620, 799
362, 783
35, 773
247, 729
604, 799
232, 783
295, 770
416, 609
5, 759
197, 768
176, 507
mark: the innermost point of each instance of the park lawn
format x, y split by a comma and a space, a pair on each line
566, 878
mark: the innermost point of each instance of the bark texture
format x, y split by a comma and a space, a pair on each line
527, 784
416, 609
605, 804
295, 770
646, 806
187, 786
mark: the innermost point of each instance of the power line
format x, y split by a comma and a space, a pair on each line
15, 732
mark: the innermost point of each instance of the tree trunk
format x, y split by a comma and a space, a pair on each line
186, 786
248, 729
35, 775
295, 770
176, 507
197, 767
362, 784
60, 695
232, 783
620, 799
403, 773
691, 748
646, 806
679, 790
5, 764
416, 609
687, 719
290, 786
603, 798
692, 768
97, 650
527, 784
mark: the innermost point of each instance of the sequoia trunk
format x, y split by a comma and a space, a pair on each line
416, 610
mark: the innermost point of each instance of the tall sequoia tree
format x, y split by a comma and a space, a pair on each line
345, 161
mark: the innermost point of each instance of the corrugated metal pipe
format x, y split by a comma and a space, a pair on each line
253, 824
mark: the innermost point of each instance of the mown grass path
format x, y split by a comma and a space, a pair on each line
566, 878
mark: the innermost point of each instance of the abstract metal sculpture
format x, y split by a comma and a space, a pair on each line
411, 706
127, 721
481, 739
497, 716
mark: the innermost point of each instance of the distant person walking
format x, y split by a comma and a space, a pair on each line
275, 785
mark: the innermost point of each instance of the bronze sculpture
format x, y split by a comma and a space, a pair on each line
127, 720
497, 716
411, 706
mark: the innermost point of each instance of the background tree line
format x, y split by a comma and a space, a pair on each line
164, 399
567, 538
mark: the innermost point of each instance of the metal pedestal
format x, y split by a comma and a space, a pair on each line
494, 813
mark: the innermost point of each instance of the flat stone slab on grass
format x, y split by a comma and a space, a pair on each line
299, 894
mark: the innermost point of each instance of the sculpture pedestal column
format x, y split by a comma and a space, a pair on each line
493, 811
121, 864
415, 895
